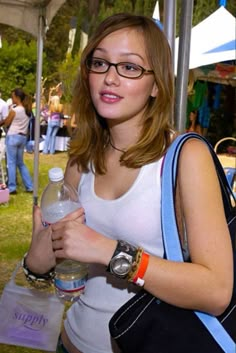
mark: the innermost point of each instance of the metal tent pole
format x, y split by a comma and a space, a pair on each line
169, 30
170, 24
183, 64
38, 101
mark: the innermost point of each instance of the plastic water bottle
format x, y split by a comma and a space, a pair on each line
58, 200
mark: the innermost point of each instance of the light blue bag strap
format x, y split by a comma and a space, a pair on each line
171, 237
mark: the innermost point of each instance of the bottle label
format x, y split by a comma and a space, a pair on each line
70, 285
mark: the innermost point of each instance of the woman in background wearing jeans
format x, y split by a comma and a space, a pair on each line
18, 123
54, 123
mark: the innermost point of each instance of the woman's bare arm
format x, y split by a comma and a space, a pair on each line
205, 283
8, 120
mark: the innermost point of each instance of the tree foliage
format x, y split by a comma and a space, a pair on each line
203, 9
18, 66
57, 38
68, 70
18, 54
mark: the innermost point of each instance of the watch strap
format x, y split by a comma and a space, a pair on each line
123, 247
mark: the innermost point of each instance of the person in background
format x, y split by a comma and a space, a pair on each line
3, 110
194, 125
54, 124
123, 102
10, 103
44, 111
18, 123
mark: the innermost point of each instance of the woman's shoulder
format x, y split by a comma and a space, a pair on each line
195, 149
18, 109
196, 166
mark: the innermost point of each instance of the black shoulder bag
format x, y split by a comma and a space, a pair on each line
146, 324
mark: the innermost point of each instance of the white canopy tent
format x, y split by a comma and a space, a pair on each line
25, 14
212, 41
34, 17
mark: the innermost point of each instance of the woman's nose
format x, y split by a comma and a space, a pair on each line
112, 76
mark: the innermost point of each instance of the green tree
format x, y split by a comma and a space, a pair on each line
88, 13
123, 6
82, 24
12, 34
68, 71
56, 41
138, 8
148, 7
104, 11
18, 62
203, 10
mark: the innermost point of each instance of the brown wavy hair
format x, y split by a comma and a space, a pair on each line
91, 136
25, 99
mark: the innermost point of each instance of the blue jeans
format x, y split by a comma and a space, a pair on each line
50, 141
15, 145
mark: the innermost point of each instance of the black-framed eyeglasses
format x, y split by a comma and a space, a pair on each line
124, 69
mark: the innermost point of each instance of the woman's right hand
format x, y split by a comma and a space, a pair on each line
41, 257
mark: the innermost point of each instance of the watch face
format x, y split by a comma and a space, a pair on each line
121, 265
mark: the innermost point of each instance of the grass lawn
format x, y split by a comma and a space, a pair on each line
16, 225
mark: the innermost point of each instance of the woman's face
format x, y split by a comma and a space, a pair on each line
116, 97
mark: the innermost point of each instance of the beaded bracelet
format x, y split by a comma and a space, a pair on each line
39, 281
137, 274
135, 265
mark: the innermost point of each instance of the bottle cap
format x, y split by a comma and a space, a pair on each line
55, 174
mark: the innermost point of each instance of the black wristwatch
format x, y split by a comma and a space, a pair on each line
122, 260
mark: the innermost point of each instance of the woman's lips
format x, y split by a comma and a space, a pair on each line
110, 97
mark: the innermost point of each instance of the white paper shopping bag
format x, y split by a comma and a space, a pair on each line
29, 317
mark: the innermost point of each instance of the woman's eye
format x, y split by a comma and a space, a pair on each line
130, 67
98, 63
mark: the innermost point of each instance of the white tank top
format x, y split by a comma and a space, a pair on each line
20, 122
133, 217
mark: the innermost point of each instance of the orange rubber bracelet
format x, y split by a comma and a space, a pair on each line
138, 279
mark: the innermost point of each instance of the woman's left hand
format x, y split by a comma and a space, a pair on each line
40, 258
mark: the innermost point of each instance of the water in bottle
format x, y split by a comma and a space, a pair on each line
58, 200
70, 279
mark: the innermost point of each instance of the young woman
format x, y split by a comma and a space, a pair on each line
54, 123
17, 122
124, 98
